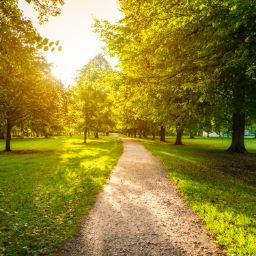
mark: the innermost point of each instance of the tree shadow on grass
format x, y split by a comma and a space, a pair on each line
27, 152
49, 194
227, 206
239, 166
206, 179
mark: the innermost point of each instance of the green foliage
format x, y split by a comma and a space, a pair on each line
158, 89
48, 112
218, 188
91, 105
47, 187
27, 88
46, 45
190, 59
45, 41
46, 8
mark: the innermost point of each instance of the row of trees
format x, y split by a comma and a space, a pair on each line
31, 99
185, 64
29, 95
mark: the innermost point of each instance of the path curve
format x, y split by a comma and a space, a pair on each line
140, 212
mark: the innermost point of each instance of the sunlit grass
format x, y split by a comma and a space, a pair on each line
46, 188
219, 186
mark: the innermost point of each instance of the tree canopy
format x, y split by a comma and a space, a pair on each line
28, 92
90, 97
193, 60
184, 67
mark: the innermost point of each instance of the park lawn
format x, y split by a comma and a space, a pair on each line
47, 186
219, 186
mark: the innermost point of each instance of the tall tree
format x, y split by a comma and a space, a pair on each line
22, 69
232, 47
91, 96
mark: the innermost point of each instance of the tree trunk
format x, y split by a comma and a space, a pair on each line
1, 135
162, 134
134, 133
8, 137
107, 133
46, 134
191, 135
96, 135
179, 135
85, 135
145, 134
154, 134
238, 127
140, 134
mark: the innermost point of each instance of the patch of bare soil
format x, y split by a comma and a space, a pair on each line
140, 212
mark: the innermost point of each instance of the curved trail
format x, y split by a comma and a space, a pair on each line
140, 212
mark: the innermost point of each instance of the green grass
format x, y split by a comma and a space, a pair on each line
219, 186
46, 188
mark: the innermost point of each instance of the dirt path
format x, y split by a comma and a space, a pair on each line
141, 213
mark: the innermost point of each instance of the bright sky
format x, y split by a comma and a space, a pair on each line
74, 30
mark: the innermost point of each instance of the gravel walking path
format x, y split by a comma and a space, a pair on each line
141, 213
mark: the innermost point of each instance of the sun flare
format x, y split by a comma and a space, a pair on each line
74, 29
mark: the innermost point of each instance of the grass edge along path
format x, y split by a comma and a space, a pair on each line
225, 204
47, 186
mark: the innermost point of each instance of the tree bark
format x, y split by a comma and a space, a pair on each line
238, 126
162, 134
179, 134
85, 135
96, 135
8, 137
